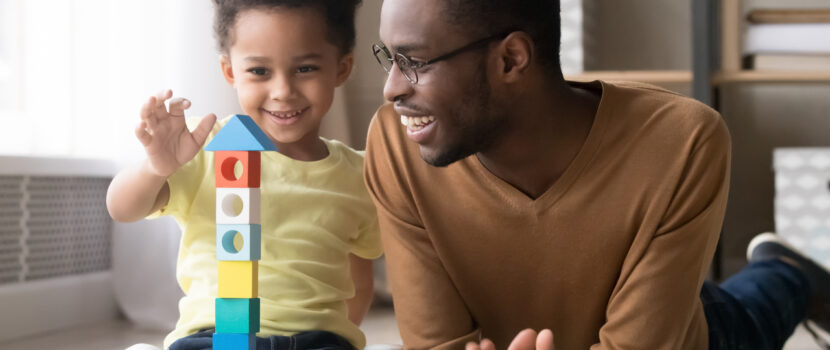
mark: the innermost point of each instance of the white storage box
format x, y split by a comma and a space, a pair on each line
802, 199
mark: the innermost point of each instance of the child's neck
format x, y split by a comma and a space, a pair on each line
309, 151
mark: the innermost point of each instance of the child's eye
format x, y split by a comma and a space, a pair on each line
258, 71
306, 69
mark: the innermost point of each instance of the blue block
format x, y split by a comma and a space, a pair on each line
234, 341
251, 236
241, 134
237, 315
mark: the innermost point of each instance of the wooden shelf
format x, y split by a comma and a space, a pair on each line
751, 76
653, 77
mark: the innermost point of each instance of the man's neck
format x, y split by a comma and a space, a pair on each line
550, 130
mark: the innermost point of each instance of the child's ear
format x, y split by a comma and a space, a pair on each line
227, 69
344, 68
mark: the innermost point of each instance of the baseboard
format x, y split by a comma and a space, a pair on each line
42, 306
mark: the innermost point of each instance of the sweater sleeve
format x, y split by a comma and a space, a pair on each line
654, 305
429, 310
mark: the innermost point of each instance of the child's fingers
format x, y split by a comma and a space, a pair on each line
178, 105
160, 98
142, 134
203, 129
148, 112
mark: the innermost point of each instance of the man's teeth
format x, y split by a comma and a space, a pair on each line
416, 122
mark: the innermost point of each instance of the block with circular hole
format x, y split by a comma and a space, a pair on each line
251, 235
237, 206
234, 341
225, 163
237, 315
238, 279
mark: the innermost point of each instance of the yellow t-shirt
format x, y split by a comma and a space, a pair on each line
313, 215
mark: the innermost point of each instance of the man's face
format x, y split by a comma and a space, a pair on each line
450, 112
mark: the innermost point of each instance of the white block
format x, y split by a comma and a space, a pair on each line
228, 210
802, 208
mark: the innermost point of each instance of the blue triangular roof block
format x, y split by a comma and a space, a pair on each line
241, 134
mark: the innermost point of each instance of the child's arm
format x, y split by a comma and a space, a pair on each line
364, 285
137, 192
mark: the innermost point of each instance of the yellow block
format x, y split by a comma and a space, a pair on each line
238, 279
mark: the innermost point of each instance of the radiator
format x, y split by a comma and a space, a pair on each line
55, 245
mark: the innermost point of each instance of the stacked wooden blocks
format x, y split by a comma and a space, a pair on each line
238, 215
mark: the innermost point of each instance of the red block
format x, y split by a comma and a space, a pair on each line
225, 162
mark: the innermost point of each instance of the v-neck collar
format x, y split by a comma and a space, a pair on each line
583, 158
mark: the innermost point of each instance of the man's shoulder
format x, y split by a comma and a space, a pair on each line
659, 104
385, 119
647, 95
387, 136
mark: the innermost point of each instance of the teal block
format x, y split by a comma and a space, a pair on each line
234, 341
241, 134
251, 238
237, 315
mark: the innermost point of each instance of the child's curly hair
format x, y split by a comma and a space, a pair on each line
339, 15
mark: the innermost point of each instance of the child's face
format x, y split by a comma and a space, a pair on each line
285, 71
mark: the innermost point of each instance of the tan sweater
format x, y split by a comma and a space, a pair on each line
612, 256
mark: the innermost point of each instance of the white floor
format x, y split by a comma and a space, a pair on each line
379, 326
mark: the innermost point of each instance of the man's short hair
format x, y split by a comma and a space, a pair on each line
538, 18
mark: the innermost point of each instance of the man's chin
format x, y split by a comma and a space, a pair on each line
442, 159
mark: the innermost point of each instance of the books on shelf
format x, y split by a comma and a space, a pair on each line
788, 40
789, 62
789, 16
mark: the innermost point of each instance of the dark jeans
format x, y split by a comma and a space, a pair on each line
756, 309
312, 340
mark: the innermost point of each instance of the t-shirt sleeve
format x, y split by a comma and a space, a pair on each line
430, 312
367, 244
653, 306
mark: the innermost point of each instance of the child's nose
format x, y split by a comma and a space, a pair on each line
281, 88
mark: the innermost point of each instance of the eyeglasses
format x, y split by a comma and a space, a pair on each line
409, 66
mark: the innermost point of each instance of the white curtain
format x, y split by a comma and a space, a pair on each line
74, 73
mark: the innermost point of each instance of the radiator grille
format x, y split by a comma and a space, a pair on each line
53, 226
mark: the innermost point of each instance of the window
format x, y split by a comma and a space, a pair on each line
74, 73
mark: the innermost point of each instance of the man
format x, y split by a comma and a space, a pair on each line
513, 200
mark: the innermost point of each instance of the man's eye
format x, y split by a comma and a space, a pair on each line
415, 64
306, 69
258, 71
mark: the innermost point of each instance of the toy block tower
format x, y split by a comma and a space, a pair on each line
240, 142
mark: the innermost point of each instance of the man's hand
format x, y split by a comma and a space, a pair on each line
525, 340
164, 134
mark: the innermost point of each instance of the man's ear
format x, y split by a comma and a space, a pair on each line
344, 68
227, 69
516, 54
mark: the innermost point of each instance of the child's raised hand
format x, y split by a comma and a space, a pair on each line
164, 134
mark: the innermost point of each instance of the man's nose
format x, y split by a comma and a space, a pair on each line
397, 86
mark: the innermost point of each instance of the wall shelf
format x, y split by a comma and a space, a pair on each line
754, 76
656, 77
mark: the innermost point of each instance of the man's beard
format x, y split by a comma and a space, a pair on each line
475, 121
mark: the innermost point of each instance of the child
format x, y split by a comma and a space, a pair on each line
319, 227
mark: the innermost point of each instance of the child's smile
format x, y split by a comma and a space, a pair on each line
287, 117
